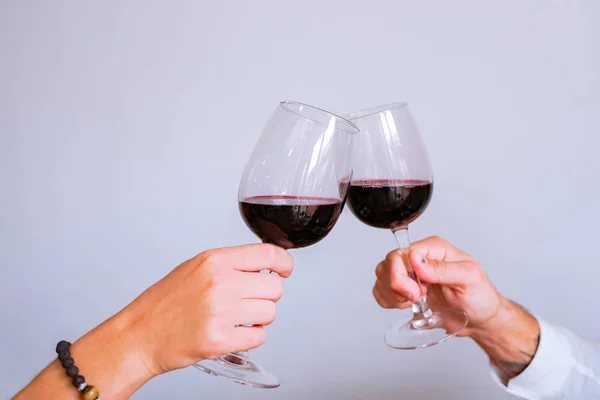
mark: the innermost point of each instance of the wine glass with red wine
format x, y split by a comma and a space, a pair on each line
391, 187
291, 194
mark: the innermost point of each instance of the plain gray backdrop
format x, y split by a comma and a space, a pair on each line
125, 127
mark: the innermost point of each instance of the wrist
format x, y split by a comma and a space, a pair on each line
502, 319
510, 339
111, 358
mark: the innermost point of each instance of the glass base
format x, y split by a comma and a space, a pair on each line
240, 369
426, 330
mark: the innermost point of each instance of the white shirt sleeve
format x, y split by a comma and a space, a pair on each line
564, 367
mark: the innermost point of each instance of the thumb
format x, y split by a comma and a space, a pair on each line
455, 273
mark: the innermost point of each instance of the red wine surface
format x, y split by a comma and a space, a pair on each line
389, 203
290, 221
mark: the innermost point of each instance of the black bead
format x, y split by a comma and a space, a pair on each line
72, 371
78, 380
62, 346
67, 362
63, 355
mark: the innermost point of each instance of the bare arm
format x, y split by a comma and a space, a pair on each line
196, 312
533, 358
106, 357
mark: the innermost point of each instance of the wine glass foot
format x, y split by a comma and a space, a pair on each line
426, 331
240, 369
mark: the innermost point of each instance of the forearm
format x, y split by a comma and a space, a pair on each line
107, 357
510, 340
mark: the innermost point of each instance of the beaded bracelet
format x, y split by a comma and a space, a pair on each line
88, 392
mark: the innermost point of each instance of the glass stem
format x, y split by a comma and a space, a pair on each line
420, 307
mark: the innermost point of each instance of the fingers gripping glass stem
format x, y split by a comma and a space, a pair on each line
426, 328
420, 307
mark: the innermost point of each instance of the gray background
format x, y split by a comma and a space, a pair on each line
125, 126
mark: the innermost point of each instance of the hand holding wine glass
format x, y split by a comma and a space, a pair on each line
391, 186
197, 311
217, 291
450, 278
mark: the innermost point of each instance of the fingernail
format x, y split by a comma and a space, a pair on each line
421, 257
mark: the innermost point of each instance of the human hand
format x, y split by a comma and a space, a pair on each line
198, 310
450, 278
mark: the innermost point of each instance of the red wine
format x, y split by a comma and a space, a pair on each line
290, 221
387, 203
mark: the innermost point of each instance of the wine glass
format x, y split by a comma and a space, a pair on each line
291, 194
391, 187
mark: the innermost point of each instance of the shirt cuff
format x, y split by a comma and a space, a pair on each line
549, 369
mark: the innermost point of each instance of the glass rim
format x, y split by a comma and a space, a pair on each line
376, 110
353, 129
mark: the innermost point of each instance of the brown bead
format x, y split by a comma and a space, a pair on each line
90, 393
